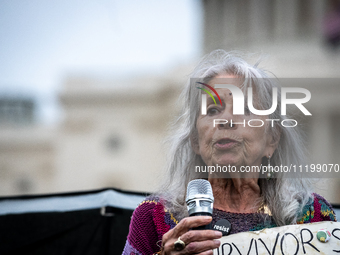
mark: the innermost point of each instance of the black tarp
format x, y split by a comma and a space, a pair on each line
93, 222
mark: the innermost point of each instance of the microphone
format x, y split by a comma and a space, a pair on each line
200, 200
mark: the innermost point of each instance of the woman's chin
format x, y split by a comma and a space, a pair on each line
227, 162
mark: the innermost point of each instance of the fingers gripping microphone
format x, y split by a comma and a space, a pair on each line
200, 200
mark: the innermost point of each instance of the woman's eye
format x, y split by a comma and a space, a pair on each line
212, 111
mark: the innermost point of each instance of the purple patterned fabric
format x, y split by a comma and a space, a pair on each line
144, 234
242, 222
128, 249
169, 221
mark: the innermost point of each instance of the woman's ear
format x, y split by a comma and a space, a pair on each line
273, 142
194, 143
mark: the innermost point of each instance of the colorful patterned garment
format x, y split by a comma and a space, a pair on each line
150, 221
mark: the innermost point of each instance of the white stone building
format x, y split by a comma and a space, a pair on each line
111, 131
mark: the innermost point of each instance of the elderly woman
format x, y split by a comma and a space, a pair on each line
248, 200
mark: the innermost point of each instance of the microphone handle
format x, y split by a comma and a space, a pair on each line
204, 227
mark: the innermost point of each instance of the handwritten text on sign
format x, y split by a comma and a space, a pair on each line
286, 240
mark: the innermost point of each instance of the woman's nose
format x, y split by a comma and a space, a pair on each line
228, 120
228, 125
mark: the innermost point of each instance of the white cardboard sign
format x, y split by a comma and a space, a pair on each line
286, 240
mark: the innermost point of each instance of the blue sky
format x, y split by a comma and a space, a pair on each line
42, 41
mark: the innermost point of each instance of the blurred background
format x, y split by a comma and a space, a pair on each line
88, 88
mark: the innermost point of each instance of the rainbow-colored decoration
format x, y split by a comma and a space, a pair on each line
212, 89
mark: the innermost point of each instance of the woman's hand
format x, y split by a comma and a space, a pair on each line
196, 241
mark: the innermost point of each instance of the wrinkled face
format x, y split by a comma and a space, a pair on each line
236, 145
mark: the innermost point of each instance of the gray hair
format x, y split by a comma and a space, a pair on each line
284, 197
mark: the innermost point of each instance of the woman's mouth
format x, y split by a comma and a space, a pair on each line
225, 143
